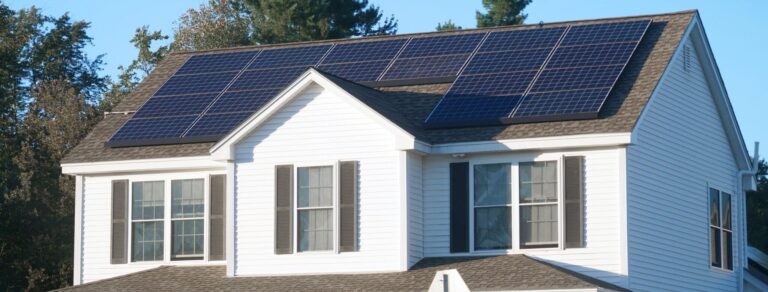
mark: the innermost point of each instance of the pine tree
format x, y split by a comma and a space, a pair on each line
502, 12
447, 26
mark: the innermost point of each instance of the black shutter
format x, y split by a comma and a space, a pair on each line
217, 225
348, 206
574, 201
459, 176
119, 222
284, 209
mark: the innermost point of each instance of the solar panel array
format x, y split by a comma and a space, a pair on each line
502, 75
540, 74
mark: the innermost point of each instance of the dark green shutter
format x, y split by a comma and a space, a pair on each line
284, 209
217, 225
348, 206
119, 222
459, 193
574, 201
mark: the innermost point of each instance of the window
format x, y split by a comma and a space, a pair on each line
147, 220
315, 208
538, 204
493, 206
187, 222
720, 230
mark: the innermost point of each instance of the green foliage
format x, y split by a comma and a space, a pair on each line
220, 24
131, 76
502, 12
447, 26
757, 210
278, 21
48, 90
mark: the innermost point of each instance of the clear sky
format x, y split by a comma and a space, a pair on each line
737, 31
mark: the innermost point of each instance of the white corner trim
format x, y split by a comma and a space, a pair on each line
77, 268
556, 142
224, 149
623, 219
404, 240
142, 165
230, 215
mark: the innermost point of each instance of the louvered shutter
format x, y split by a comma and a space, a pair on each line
119, 248
217, 225
284, 209
459, 193
348, 206
574, 201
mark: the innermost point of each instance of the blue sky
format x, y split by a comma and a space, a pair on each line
736, 31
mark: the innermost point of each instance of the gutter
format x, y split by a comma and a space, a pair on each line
740, 175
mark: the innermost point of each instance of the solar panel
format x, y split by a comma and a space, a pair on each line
216, 124
216, 62
628, 31
195, 84
442, 45
242, 101
522, 39
360, 71
153, 128
576, 67
561, 102
288, 57
424, 67
507, 61
175, 105
266, 78
472, 110
364, 51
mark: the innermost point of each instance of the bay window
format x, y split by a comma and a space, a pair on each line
720, 230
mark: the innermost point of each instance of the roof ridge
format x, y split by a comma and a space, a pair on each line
432, 33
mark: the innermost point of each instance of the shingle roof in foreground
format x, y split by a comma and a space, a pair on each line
511, 272
413, 103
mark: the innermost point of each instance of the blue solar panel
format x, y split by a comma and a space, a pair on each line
153, 128
562, 102
467, 110
361, 71
242, 101
507, 61
591, 55
629, 31
196, 84
576, 78
217, 124
425, 67
266, 78
174, 105
216, 62
364, 51
492, 84
522, 39
288, 57
442, 45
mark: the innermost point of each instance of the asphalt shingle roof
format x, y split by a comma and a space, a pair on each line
408, 106
509, 272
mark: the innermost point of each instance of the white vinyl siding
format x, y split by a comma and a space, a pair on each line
96, 225
318, 128
415, 209
680, 151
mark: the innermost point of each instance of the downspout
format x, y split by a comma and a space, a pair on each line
740, 174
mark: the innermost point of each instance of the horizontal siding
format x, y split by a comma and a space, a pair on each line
317, 128
601, 256
680, 148
96, 229
415, 205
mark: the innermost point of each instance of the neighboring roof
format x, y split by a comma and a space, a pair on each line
408, 106
509, 272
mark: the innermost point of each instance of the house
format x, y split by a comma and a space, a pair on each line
595, 155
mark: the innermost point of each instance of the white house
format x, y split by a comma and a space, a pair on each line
340, 182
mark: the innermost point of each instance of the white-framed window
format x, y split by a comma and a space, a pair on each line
720, 230
538, 204
147, 221
516, 205
493, 206
169, 218
315, 208
187, 219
